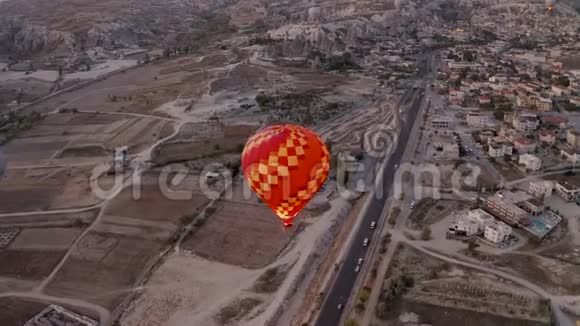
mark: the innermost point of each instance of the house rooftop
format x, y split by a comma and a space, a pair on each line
555, 120
569, 149
567, 186
524, 141
536, 202
513, 197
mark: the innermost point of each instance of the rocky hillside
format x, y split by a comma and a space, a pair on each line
30, 28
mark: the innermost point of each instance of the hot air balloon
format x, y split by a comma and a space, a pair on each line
285, 165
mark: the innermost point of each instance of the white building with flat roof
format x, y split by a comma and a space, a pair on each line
497, 232
481, 217
541, 189
531, 162
441, 123
479, 120
465, 225
567, 191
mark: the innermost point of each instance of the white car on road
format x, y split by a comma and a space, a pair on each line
366, 242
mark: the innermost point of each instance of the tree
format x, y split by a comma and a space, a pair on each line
499, 115
19, 96
472, 246
408, 281
468, 56
426, 234
351, 322
563, 81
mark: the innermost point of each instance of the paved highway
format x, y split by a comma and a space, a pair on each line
345, 280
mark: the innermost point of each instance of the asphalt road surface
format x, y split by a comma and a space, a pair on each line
346, 278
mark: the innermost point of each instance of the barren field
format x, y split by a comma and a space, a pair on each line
430, 283
509, 171
70, 140
429, 211
41, 189
62, 220
241, 234
188, 151
184, 289
555, 275
444, 316
153, 205
104, 268
45, 239
16, 312
26, 264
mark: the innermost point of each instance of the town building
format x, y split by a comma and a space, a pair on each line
531, 162
525, 123
499, 147
481, 217
456, 97
561, 122
524, 145
495, 151
479, 120
547, 137
541, 189
567, 191
485, 135
533, 206
505, 209
526, 101
573, 138
534, 102
544, 104
57, 315
498, 232
121, 159
465, 226
558, 90
484, 100
570, 154
509, 133
441, 123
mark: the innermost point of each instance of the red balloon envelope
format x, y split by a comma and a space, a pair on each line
285, 165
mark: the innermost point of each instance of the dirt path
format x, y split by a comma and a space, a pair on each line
137, 115
53, 212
